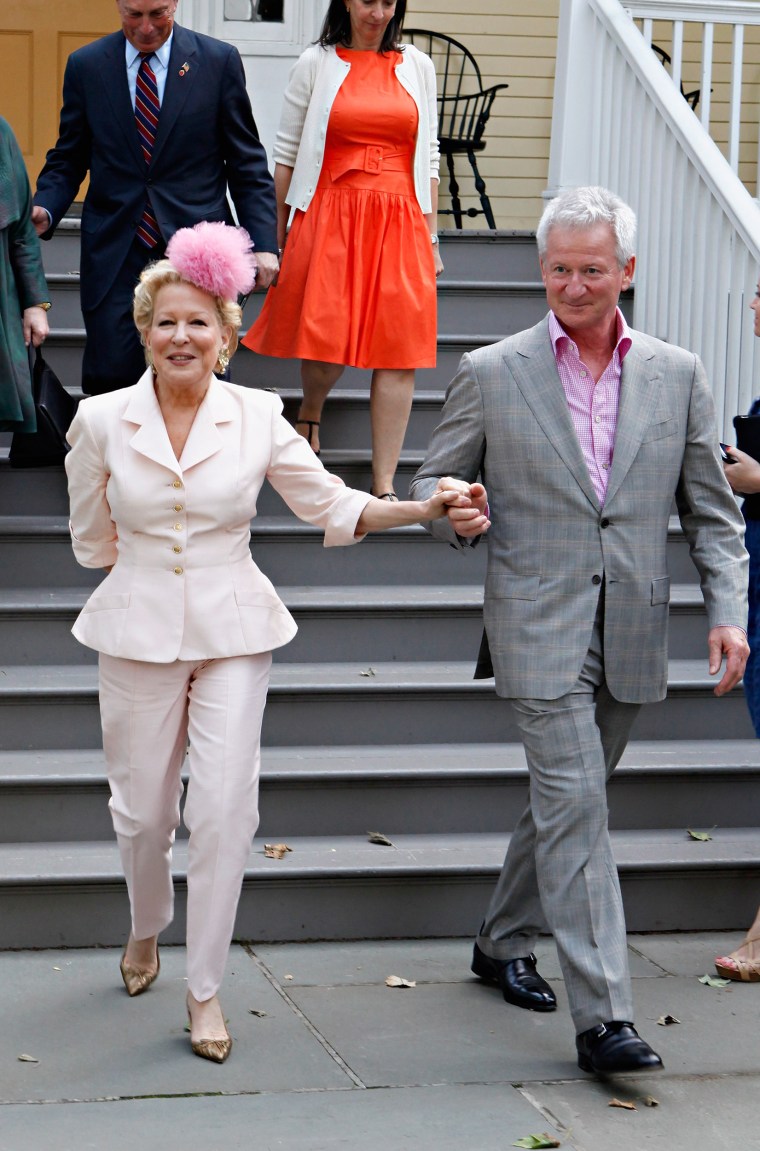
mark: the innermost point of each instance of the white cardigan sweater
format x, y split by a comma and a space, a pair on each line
313, 85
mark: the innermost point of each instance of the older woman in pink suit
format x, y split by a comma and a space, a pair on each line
163, 482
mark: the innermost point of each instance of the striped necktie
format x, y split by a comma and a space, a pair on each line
147, 109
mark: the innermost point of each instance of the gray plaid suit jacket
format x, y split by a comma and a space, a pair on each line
506, 418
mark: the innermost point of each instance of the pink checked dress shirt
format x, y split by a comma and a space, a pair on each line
593, 406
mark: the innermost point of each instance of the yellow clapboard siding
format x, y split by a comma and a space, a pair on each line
519, 50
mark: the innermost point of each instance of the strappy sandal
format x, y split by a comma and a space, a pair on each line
311, 425
740, 970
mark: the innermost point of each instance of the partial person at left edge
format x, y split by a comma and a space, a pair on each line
160, 118
24, 298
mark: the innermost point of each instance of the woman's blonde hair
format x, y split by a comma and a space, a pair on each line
159, 275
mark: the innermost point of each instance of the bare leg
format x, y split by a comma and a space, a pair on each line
317, 380
390, 404
744, 963
142, 954
206, 1019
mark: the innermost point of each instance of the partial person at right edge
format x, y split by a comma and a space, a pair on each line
743, 474
587, 432
357, 160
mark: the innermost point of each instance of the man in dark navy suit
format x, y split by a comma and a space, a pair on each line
204, 140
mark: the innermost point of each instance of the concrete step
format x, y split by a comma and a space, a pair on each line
287, 550
64, 348
428, 788
42, 491
343, 887
463, 305
37, 551
55, 706
369, 622
466, 253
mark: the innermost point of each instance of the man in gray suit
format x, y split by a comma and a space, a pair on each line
585, 432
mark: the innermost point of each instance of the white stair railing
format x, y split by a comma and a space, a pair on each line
700, 21
619, 121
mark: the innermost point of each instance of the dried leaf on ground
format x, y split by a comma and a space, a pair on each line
650, 1101
667, 1020
397, 981
28, 1059
370, 671
378, 837
536, 1141
714, 981
702, 836
257, 1013
622, 1103
276, 850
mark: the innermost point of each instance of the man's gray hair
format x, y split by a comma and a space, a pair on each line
585, 207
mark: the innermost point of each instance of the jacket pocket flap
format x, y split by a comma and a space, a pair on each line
508, 585
661, 590
108, 602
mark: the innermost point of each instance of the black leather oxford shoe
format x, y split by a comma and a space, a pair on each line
518, 979
615, 1048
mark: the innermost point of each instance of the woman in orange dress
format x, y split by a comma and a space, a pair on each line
357, 163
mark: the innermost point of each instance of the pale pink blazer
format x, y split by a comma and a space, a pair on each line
183, 584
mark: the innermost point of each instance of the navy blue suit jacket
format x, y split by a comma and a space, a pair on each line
206, 140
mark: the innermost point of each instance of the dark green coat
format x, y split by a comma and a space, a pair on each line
22, 285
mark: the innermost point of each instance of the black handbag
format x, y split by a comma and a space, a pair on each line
55, 409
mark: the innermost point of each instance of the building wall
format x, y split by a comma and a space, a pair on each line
520, 50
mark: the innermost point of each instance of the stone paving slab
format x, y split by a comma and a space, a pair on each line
424, 960
69, 1010
705, 1113
441, 1118
342, 1061
434, 1033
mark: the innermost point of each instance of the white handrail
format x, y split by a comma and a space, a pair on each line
626, 126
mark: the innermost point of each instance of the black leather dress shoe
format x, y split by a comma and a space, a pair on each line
615, 1048
518, 979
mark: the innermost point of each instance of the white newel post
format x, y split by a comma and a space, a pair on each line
573, 114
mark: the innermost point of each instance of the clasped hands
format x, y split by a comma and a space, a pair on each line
467, 510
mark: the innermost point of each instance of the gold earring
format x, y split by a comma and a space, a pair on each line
223, 359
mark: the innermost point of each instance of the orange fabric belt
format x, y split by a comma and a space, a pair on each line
372, 159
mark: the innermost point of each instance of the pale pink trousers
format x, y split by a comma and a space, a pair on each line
148, 712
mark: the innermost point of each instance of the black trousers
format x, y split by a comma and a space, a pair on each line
113, 356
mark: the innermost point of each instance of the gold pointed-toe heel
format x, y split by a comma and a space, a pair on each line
217, 1050
135, 979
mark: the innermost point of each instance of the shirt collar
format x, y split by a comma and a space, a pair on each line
162, 54
561, 341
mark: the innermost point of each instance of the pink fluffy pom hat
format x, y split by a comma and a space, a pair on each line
215, 257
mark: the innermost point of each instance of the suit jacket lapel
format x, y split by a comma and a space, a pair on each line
178, 87
536, 375
113, 73
151, 438
640, 385
205, 439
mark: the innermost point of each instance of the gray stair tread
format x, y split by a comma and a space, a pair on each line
57, 524
371, 597
410, 677
320, 858
343, 598
397, 763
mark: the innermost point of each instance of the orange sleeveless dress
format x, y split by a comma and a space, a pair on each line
357, 282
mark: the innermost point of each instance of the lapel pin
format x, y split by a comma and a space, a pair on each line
185, 68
